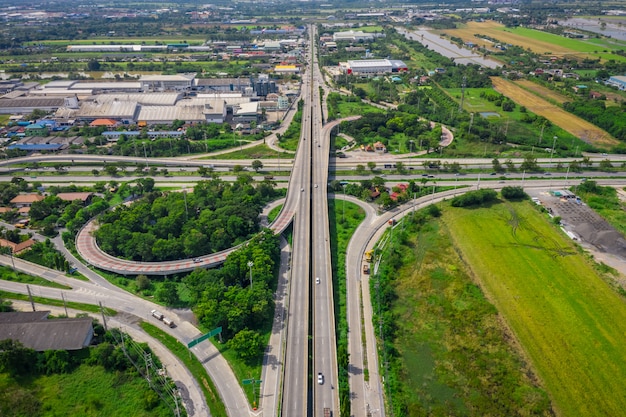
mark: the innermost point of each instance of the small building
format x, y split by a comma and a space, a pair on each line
618, 81
36, 129
17, 247
26, 200
84, 197
380, 147
109, 123
286, 69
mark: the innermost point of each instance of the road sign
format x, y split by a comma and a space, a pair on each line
204, 337
251, 381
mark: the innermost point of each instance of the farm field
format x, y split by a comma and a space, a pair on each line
569, 322
537, 41
516, 130
567, 121
542, 91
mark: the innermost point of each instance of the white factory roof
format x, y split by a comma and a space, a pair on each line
157, 99
63, 92
175, 77
247, 108
189, 110
104, 85
107, 109
365, 63
59, 84
219, 95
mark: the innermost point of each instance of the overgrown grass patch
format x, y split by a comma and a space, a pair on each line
87, 391
8, 274
447, 351
57, 303
271, 216
569, 322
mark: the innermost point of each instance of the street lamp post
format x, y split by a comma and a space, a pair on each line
552, 152
250, 265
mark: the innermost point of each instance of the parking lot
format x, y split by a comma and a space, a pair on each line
585, 224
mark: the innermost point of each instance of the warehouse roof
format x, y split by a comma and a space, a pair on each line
35, 332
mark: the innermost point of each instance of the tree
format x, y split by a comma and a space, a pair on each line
168, 293
497, 167
15, 359
111, 170
257, 165
247, 344
371, 165
142, 282
237, 168
605, 165
360, 169
513, 193
93, 65
529, 164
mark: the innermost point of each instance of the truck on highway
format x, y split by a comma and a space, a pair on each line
366, 269
327, 412
157, 314
368, 255
168, 322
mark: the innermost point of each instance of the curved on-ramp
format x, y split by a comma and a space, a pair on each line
89, 250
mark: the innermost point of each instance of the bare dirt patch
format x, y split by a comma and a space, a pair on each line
594, 233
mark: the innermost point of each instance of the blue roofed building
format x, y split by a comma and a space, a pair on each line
618, 81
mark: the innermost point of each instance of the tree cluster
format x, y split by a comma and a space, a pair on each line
239, 297
474, 198
513, 193
610, 118
170, 226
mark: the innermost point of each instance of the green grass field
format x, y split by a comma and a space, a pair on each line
569, 322
590, 45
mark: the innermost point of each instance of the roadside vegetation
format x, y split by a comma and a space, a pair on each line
344, 217
444, 349
239, 298
92, 308
557, 306
604, 201
96, 381
8, 274
194, 366
291, 138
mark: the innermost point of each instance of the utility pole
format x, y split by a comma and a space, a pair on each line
463, 93
104, 319
64, 304
30, 297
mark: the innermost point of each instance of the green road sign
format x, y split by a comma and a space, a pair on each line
251, 381
204, 337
